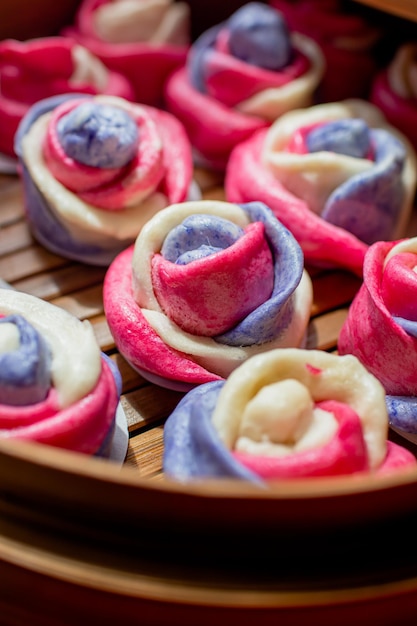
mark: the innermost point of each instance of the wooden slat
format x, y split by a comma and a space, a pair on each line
14, 237
62, 281
332, 290
84, 304
131, 379
11, 201
102, 333
149, 405
145, 453
323, 331
28, 262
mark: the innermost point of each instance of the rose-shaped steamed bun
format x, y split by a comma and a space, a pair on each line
95, 169
285, 414
381, 328
206, 285
144, 40
337, 175
240, 76
56, 387
40, 68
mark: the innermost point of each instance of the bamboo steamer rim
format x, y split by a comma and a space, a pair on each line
401, 8
77, 464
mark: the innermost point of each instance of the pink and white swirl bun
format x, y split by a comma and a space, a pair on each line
240, 76
144, 40
206, 285
56, 387
348, 38
381, 327
95, 169
40, 68
394, 91
337, 175
284, 414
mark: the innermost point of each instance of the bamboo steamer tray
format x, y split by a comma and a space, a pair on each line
84, 541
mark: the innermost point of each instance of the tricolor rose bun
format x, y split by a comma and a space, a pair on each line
95, 169
240, 76
56, 387
144, 40
283, 415
381, 328
206, 285
41, 68
337, 175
